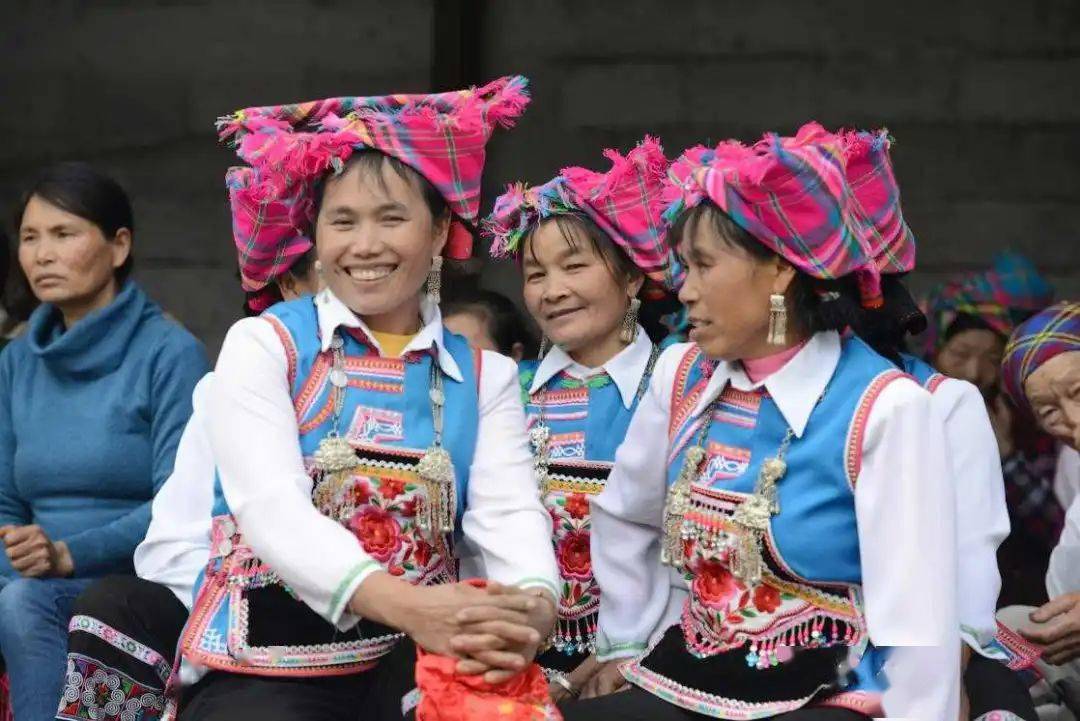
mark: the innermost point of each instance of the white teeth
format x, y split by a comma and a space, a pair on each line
370, 273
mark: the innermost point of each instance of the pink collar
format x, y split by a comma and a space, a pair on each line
758, 369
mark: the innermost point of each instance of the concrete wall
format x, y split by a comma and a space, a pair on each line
981, 96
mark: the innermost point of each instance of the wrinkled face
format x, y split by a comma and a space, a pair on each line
726, 294
66, 258
973, 355
571, 291
376, 241
473, 326
1053, 391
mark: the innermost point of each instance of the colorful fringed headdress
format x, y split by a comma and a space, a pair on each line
1046, 334
289, 148
624, 202
791, 194
1001, 297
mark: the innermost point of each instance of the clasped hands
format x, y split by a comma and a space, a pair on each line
495, 631
33, 554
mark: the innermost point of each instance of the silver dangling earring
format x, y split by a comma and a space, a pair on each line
629, 323
543, 347
434, 280
777, 319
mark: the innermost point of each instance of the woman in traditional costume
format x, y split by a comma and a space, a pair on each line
590, 249
764, 541
357, 441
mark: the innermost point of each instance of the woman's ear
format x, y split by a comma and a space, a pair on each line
785, 273
120, 245
634, 286
442, 233
517, 351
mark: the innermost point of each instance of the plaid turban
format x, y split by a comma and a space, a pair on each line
791, 194
624, 202
1046, 334
1001, 297
289, 148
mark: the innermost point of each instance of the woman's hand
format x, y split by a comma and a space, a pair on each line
499, 641
427, 614
605, 680
34, 555
576, 679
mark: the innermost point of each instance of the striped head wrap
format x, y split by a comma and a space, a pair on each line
289, 148
1001, 298
624, 202
791, 194
1046, 334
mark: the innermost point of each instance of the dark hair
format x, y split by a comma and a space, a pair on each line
814, 304
82, 190
505, 323
256, 301
614, 257
886, 328
371, 162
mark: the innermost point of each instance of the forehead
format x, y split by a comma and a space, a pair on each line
40, 212
552, 242
363, 185
977, 339
1055, 375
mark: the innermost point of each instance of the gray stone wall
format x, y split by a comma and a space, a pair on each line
982, 97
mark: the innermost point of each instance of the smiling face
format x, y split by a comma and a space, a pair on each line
67, 259
1053, 391
573, 292
726, 291
376, 239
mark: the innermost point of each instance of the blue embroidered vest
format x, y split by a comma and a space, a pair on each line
809, 598
587, 422
387, 419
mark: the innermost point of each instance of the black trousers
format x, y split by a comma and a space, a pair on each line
991, 686
374, 695
639, 705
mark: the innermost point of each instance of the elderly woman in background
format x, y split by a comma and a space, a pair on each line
970, 319
93, 399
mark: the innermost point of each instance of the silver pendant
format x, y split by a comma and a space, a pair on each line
335, 454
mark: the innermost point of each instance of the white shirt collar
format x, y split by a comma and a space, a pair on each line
795, 388
334, 314
626, 368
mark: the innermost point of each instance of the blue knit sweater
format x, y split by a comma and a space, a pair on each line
90, 419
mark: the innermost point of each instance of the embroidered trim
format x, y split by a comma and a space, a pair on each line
287, 343
864, 702
95, 691
605, 654
338, 600
935, 381
706, 703
122, 642
1022, 653
410, 701
857, 429
682, 373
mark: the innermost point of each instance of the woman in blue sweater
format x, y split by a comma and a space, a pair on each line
93, 399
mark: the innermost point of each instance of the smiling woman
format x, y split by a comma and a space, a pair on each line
357, 422
93, 399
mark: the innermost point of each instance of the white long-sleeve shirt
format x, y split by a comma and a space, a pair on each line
1063, 575
982, 521
177, 543
904, 512
254, 436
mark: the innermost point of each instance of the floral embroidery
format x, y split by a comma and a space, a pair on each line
572, 552
98, 692
380, 505
378, 531
568, 502
768, 620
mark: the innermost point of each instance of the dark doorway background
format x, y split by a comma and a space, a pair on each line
982, 97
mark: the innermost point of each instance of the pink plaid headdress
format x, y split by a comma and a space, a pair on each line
624, 202
442, 136
791, 194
